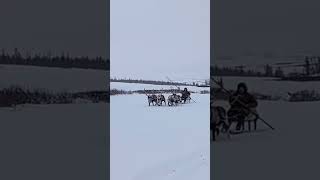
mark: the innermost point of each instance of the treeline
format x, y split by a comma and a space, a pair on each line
16, 95
269, 71
218, 94
62, 61
140, 81
230, 71
310, 66
304, 95
163, 91
298, 96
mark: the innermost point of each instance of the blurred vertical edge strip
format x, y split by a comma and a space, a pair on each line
212, 55
107, 125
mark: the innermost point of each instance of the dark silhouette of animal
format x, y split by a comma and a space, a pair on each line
152, 99
218, 121
160, 99
178, 98
174, 99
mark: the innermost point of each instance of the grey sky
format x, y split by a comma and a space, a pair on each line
76, 26
281, 26
152, 39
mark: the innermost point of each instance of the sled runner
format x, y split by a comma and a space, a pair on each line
249, 119
247, 131
186, 99
220, 122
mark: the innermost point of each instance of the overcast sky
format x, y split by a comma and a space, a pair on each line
282, 26
152, 39
75, 26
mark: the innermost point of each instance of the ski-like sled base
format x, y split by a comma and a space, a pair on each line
233, 132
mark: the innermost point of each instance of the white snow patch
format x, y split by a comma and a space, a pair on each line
159, 142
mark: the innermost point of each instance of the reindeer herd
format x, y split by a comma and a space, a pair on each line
172, 100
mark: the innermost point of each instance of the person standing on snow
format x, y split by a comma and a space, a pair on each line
241, 101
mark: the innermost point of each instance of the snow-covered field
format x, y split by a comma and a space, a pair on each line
57, 141
54, 79
159, 142
289, 152
54, 141
136, 86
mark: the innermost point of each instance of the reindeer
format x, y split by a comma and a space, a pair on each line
152, 99
218, 121
174, 99
160, 99
178, 98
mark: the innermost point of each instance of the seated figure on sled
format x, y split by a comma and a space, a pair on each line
185, 95
243, 108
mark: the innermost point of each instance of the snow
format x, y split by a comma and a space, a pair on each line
57, 141
54, 79
136, 86
159, 142
289, 152
61, 141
